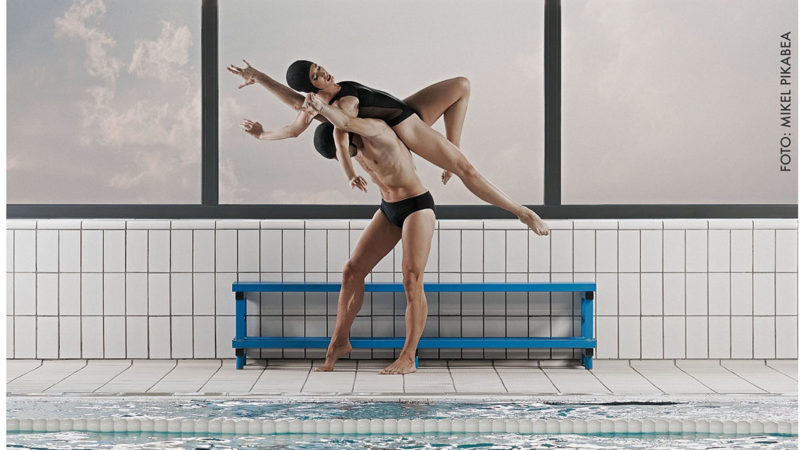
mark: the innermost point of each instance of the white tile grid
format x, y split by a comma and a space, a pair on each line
782, 311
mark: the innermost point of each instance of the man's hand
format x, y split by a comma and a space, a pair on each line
248, 73
253, 128
446, 176
312, 106
359, 182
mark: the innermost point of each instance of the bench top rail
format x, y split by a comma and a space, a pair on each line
256, 286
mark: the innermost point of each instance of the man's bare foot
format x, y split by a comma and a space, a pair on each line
534, 222
332, 355
402, 365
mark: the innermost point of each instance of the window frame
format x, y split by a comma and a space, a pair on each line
551, 209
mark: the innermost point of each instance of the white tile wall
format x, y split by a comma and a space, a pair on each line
666, 289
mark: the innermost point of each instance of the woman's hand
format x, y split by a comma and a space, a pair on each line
253, 128
248, 73
312, 104
358, 182
446, 176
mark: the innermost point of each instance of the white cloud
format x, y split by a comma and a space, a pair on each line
73, 24
163, 57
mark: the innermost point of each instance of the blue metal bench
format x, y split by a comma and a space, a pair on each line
585, 341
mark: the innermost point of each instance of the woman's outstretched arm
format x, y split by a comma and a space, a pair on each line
252, 75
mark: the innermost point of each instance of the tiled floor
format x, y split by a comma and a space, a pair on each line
286, 377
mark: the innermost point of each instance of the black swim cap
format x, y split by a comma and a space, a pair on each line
297, 76
323, 140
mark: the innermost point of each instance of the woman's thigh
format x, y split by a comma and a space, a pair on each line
429, 144
432, 101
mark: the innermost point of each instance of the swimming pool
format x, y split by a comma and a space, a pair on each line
222, 422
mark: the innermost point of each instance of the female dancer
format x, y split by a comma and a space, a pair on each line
404, 117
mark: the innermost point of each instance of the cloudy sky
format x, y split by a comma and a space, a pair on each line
103, 101
664, 101
399, 47
674, 101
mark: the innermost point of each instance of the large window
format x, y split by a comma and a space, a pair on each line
399, 47
104, 101
675, 101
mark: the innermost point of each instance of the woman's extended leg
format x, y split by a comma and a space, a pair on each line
417, 235
449, 98
378, 239
432, 146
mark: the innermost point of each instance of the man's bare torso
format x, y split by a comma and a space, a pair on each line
389, 163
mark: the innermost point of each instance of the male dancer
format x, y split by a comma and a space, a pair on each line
406, 212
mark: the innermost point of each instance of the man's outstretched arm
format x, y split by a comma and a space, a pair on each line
342, 120
292, 130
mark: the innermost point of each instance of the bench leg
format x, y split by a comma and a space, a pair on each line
587, 327
241, 328
241, 358
586, 358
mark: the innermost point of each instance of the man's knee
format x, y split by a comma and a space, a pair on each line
412, 282
352, 272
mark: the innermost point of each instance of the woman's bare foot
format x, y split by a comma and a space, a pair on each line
332, 355
534, 222
402, 365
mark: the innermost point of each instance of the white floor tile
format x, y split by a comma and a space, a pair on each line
788, 368
763, 376
95, 374
575, 380
370, 381
620, 378
718, 378
46, 375
526, 381
188, 376
140, 377
431, 380
18, 367
338, 381
669, 378
229, 379
477, 380
288, 380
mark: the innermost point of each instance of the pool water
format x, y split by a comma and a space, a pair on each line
765, 408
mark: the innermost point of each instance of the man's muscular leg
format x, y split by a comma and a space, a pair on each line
378, 239
417, 234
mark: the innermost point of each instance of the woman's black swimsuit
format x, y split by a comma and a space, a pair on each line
397, 212
375, 104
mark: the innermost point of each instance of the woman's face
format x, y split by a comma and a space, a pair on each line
320, 77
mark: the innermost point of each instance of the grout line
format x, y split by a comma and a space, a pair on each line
115, 376
498, 376
548, 378
218, 368
645, 377
163, 376
453, 380
85, 363
29, 371
308, 374
263, 371
600, 381
687, 373
743, 378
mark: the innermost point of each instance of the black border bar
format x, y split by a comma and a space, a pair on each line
366, 211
